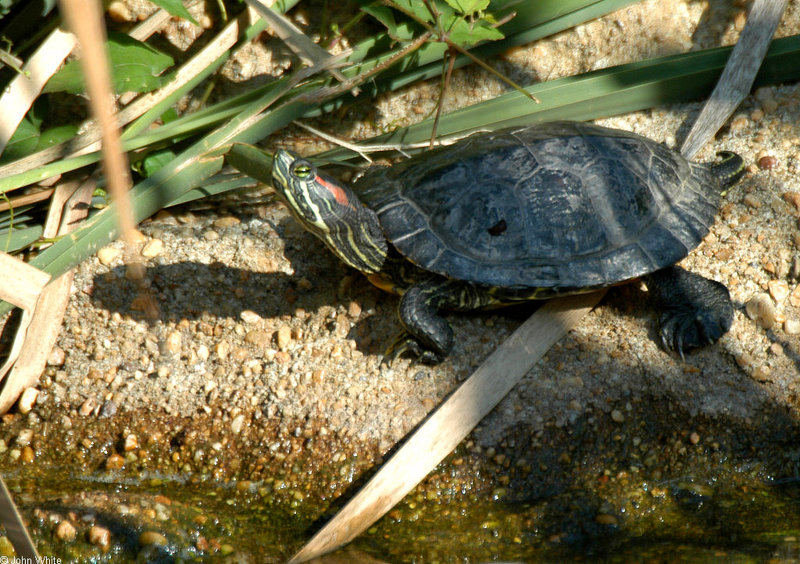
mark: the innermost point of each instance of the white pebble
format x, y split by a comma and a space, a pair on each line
27, 400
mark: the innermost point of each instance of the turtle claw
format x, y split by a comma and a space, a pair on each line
695, 312
406, 343
683, 330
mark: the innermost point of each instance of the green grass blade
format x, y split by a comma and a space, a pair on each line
619, 89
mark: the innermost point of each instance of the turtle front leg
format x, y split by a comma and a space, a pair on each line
427, 335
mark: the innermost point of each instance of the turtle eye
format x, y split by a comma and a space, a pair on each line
301, 170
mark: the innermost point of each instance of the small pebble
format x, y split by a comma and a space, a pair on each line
222, 349
259, 339
119, 12
605, 519
761, 373
794, 297
27, 400
617, 416
137, 236
57, 357
792, 198
108, 409
203, 353
151, 537
115, 462
153, 248
250, 317
172, 344
767, 162
778, 289
761, 310
131, 443
87, 407
791, 326
751, 201
108, 255
65, 531
99, 536
284, 338
24, 437
238, 423
794, 269
225, 222
354, 310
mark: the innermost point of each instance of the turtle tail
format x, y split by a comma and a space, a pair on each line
728, 170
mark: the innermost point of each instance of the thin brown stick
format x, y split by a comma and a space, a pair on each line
739, 73
85, 19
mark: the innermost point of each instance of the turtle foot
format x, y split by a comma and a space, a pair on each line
695, 311
404, 344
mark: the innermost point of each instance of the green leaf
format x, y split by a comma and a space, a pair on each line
464, 34
135, 67
153, 162
399, 32
23, 142
176, 8
468, 7
416, 7
56, 135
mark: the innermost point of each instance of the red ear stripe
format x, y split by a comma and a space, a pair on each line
337, 192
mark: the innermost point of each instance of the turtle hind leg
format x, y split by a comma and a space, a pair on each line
695, 311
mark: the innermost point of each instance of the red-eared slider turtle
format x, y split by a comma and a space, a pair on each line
520, 214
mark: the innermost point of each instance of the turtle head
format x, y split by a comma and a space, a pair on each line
331, 211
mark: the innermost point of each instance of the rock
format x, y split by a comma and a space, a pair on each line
792, 198
794, 297
778, 289
99, 536
65, 531
238, 423
172, 344
761, 310
57, 357
222, 349
87, 407
259, 339
148, 538
605, 519
27, 400
108, 255
24, 437
791, 326
115, 462
284, 338
131, 443
153, 248
250, 317
108, 409
225, 222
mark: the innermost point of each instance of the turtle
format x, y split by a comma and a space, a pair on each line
523, 213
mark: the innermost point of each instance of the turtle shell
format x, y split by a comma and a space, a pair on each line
559, 205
